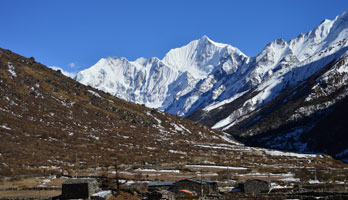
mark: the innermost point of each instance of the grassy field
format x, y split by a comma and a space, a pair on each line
29, 193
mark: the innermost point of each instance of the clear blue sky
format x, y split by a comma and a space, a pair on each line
75, 34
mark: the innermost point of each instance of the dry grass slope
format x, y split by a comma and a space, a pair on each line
50, 123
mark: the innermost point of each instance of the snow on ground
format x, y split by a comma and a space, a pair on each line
11, 69
160, 171
291, 179
94, 93
227, 101
222, 123
276, 186
286, 177
216, 167
102, 194
313, 182
177, 152
213, 147
207, 174
44, 182
177, 128
5, 127
289, 154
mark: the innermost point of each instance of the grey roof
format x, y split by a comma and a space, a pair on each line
160, 183
256, 180
76, 181
203, 181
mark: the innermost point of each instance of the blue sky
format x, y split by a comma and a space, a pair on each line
75, 34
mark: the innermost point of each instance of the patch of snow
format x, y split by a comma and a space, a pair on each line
313, 182
11, 69
177, 152
177, 128
227, 101
291, 179
214, 147
95, 137
288, 154
276, 186
95, 93
5, 127
102, 194
216, 167
159, 171
45, 181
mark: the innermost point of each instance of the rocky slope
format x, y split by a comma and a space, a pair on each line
49, 122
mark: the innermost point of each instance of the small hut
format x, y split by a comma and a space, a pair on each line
160, 185
255, 186
79, 188
196, 187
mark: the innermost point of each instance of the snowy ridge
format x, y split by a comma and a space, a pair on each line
207, 75
154, 82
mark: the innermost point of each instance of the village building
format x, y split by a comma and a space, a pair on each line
255, 186
195, 187
79, 188
160, 185
161, 195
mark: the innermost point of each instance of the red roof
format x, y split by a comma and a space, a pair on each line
187, 191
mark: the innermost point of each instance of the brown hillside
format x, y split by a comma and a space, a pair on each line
49, 122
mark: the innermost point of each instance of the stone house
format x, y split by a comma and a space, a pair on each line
255, 186
160, 185
79, 188
195, 187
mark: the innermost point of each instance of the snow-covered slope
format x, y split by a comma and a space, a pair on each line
282, 65
289, 93
204, 73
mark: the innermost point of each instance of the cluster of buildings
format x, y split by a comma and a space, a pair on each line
158, 190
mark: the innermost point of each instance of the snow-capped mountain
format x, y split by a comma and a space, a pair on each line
282, 65
206, 73
293, 89
159, 83
216, 84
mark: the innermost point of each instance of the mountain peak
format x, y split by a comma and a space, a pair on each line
206, 40
204, 37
